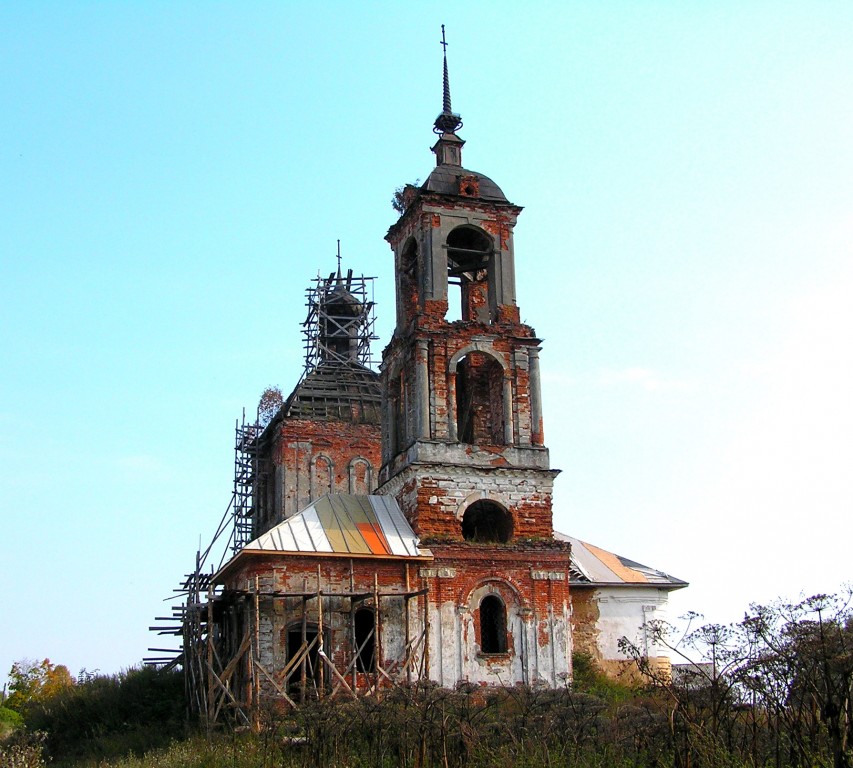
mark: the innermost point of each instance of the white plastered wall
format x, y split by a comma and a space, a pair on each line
623, 612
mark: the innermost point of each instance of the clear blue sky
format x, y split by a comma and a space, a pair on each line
172, 175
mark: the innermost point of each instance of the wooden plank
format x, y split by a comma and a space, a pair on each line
341, 679
275, 684
232, 665
297, 658
230, 696
256, 652
386, 676
211, 698
322, 681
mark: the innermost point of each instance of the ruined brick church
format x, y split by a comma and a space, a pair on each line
395, 527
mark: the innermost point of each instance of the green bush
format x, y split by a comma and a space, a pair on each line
10, 721
110, 716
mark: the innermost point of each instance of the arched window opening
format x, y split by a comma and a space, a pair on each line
359, 476
398, 411
265, 494
365, 645
486, 522
323, 477
469, 252
409, 278
479, 400
492, 625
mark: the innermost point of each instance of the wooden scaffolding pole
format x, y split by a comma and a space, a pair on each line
407, 604
236, 681
377, 625
303, 665
320, 671
211, 693
256, 657
425, 666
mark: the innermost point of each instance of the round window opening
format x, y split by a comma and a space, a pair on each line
486, 522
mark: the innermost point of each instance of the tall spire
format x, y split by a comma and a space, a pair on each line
448, 121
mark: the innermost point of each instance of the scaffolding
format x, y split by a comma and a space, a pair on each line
188, 620
340, 322
218, 628
227, 682
246, 442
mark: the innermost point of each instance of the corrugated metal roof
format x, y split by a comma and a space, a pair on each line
593, 565
344, 524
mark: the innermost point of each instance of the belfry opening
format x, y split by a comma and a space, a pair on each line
469, 253
487, 522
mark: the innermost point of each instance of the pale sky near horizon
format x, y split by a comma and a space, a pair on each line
174, 174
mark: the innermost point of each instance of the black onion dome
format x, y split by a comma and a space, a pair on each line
445, 179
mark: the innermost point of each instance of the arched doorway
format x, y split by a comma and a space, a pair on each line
303, 654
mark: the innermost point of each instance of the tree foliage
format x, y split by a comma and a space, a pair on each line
32, 682
269, 404
98, 716
111, 715
10, 721
776, 687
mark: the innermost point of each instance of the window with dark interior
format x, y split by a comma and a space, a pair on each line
486, 522
309, 662
364, 640
409, 278
492, 625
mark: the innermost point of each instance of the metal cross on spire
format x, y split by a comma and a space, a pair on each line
448, 121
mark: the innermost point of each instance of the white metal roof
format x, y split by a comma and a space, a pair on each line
344, 524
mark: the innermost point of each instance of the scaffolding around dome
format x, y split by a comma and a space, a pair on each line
340, 322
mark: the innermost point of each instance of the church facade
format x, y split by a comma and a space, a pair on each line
400, 526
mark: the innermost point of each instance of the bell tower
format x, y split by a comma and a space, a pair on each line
462, 414
462, 441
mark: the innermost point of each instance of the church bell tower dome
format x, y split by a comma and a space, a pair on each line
449, 177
